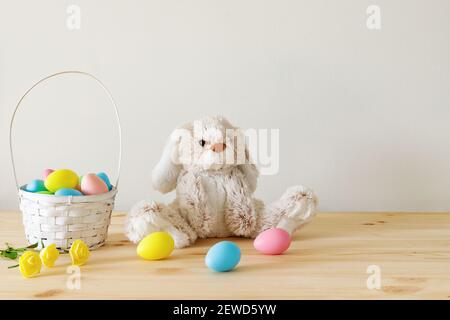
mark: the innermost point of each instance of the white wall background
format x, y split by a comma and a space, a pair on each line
364, 115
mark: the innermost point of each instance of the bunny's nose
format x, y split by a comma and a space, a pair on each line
218, 147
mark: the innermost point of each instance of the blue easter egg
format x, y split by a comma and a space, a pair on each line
105, 179
36, 186
223, 256
68, 192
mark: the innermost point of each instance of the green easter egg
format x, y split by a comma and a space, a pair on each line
45, 192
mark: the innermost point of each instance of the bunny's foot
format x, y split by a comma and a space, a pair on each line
295, 208
149, 216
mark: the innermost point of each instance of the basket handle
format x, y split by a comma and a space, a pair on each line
116, 112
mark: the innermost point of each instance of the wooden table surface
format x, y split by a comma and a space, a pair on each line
328, 259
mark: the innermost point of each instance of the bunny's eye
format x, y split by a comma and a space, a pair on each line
202, 142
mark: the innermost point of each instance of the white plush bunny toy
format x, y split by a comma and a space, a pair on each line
207, 162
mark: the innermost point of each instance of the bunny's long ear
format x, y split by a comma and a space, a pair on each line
248, 168
166, 171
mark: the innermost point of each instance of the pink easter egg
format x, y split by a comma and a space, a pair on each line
272, 241
47, 172
91, 184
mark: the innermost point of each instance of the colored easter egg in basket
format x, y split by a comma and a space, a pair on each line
61, 179
223, 256
68, 192
91, 184
273, 241
36, 186
45, 192
46, 173
156, 246
78, 187
105, 179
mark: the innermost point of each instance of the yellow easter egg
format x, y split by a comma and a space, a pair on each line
155, 246
61, 179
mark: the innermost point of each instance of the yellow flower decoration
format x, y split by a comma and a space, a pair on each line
79, 253
49, 255
30, 264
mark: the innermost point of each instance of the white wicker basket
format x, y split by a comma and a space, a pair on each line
63, 219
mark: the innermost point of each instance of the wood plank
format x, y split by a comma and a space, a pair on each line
327, 260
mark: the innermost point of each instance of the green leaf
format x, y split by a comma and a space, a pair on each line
10, 255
